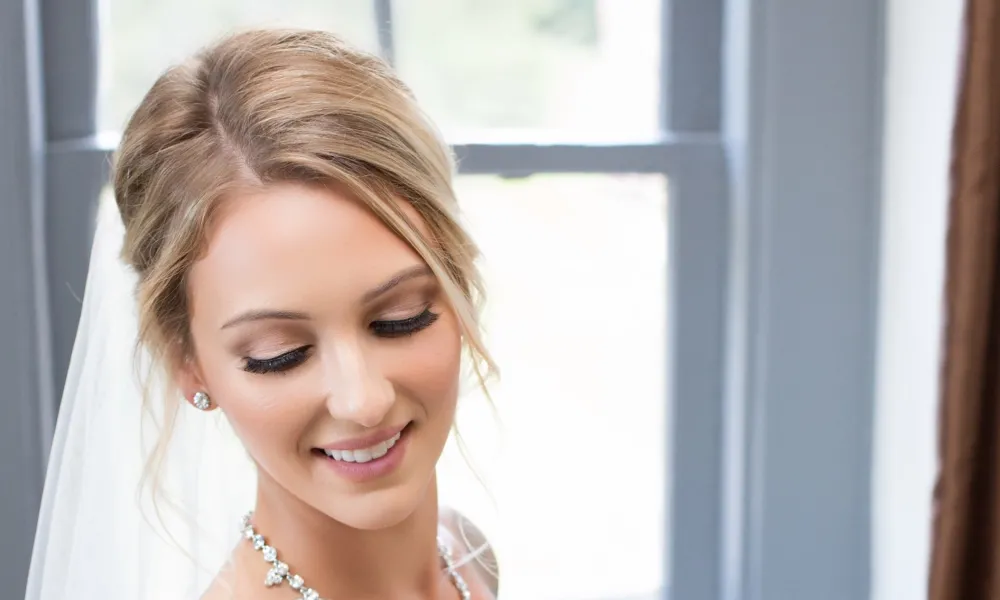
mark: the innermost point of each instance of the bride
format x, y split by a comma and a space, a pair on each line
302, 295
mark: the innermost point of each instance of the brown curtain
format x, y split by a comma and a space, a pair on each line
966, 554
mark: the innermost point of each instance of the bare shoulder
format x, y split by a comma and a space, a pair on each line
469, 540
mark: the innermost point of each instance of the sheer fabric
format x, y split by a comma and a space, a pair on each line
101, 532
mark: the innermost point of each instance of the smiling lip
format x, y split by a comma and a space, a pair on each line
365, 442
373, 468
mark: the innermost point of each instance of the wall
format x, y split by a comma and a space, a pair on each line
921, 67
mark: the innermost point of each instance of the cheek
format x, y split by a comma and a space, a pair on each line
266, 415
426, 369
265, 411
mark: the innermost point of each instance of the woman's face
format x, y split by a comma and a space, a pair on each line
331, 349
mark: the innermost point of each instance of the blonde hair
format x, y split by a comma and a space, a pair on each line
270, 106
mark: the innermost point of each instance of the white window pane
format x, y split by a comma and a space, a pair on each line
576, 315
576, 67
141, 38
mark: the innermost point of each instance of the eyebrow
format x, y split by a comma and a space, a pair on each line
413, 272
286, 315
264, 315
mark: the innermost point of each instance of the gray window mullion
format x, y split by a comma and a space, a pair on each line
519, 160
691, 65
698, 238
71, 45
385, 28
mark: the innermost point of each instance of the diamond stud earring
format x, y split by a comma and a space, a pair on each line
201, 401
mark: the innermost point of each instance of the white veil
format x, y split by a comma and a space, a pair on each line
97, 537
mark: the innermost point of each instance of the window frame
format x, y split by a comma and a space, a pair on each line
26, 368
740, 506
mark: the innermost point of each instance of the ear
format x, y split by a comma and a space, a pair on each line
189, 380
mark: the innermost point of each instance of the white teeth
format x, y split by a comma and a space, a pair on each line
365, 454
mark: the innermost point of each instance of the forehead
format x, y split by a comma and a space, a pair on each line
288, 245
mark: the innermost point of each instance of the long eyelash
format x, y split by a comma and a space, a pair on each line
277, 364
388, 329
404, 327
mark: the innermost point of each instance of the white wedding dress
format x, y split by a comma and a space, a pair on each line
100, 536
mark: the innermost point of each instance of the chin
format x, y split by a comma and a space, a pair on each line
381, 509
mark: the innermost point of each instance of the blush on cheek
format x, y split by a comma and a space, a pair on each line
269, 413
427, 368
440, 362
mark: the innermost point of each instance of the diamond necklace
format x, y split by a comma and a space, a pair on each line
279, 572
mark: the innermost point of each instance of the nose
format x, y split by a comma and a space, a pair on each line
358, 390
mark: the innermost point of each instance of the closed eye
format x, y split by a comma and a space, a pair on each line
404, 327
276, 364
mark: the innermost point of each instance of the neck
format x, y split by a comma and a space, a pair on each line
339, 561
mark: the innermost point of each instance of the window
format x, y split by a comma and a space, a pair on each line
772, 234
596, 189
144, 37
579, 67
575, 264
575, 267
